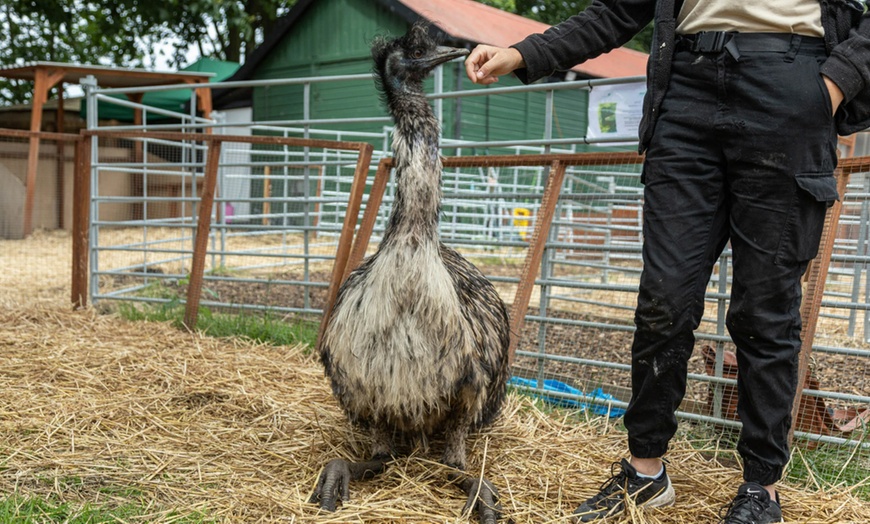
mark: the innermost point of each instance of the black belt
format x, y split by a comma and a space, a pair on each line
716, 41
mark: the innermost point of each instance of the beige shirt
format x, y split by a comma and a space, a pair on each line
803, 17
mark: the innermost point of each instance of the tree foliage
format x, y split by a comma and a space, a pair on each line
132, 33
554, 11
129, 33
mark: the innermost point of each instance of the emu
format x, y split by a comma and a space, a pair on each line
417, 342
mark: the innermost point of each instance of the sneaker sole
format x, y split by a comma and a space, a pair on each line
665, 498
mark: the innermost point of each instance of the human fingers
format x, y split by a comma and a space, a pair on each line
478, 56
486, 63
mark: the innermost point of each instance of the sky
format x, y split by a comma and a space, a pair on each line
159, 63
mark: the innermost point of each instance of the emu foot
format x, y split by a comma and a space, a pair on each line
482, 496
334, 482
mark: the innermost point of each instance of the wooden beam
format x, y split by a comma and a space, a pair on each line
61, 161
200, 246
370, 216
40, 94
44, 80
204, 103
535, 254
245, 139
342, 254
136, 98
81, 223
813, 293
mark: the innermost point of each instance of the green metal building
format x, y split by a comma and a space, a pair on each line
332, 37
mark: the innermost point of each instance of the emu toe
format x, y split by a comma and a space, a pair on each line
483, 496
333, 485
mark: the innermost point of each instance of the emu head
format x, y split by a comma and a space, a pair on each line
401, 64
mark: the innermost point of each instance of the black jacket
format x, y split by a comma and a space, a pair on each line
607, 24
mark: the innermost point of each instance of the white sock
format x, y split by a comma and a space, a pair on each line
657, 475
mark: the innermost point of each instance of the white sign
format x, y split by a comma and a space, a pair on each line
615, 110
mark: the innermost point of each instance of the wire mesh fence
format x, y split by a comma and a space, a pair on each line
272, 250
274, 229
36, 180
36, 203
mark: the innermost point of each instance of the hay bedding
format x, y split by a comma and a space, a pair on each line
96, 410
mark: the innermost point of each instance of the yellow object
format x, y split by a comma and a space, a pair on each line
521, 221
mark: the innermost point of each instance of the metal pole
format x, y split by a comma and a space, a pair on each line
722, 305
306, 209
858, 269
548, 120
89, 85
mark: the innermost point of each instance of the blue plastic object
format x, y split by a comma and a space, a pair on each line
555, 386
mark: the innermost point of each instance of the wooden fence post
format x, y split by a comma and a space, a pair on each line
200, 246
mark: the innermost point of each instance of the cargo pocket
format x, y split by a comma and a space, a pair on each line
814, 194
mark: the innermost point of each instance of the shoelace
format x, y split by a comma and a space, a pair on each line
756, 507
611, 485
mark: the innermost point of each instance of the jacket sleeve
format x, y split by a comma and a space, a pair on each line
849, 63
604, 25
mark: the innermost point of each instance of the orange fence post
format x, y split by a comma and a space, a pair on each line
206, 203
81, 218
376, 195
815, 278
535, 253
357, 189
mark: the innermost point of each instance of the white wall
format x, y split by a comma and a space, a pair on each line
236, 180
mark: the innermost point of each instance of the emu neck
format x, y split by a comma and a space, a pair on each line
414, 217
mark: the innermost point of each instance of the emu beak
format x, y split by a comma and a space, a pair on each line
444, 54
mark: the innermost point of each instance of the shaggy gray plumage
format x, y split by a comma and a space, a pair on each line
417, 343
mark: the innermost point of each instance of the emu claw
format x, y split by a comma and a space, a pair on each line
483, 496
333, 484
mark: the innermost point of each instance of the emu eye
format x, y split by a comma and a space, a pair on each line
418, 53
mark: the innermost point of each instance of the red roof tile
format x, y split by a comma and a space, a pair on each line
475, 22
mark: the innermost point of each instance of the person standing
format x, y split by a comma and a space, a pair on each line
743, 106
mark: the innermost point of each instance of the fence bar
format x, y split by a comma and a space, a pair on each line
815, 278
535, 253
194, 289
342, 254
81, 223
248, 139
370, 216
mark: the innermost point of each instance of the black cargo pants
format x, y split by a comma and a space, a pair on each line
743, 150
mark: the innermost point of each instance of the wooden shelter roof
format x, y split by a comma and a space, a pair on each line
46, 75
106, 76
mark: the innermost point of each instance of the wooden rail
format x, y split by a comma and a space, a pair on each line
194, 290
557, 165
32, 156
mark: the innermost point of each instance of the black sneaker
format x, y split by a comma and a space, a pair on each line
752, 505
610, 500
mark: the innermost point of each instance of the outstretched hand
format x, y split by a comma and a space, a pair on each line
486, 63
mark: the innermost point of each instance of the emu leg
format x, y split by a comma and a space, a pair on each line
482, 494
334, 481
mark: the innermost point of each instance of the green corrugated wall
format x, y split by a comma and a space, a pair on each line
332, 38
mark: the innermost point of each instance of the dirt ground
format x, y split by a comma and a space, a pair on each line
101, 411
560, 339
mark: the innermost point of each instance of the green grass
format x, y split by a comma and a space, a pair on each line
261, 328
22, 510
832, 465
824, 467
265, 327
